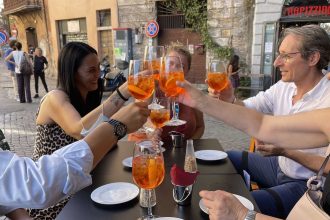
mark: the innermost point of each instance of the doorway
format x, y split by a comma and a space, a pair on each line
31, 38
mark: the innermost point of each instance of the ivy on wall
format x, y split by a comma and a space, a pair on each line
195, 12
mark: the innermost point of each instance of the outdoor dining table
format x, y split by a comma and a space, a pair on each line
213, 175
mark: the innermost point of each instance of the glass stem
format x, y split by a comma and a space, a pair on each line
150, 216
175, 110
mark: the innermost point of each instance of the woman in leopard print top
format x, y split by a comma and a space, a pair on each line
74, 106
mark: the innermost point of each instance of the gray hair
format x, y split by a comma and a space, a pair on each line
313, 38
39, 49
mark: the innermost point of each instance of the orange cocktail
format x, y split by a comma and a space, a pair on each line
148, 171
168, 83
155, 66
159, 117
217, 81
141, 86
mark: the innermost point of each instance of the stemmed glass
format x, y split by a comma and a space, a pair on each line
148, 168
217, 77
160, 113
141, 84
171, 71
140, 81
152, 57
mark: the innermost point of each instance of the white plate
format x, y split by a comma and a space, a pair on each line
210, 155
247, 203
127, 162
168, 218
115, 193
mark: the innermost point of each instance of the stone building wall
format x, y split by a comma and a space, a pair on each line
135, 14
230, 24
265, 11
34, 19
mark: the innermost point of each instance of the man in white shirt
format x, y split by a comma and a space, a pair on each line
303, 53
28, 184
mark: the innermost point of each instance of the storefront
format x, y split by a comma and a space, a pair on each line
294, 13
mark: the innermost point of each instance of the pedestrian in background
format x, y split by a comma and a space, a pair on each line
233, 70
23, 79
11, 67
40, 65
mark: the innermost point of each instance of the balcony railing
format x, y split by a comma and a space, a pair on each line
20, 6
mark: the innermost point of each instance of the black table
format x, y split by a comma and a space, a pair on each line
213, 176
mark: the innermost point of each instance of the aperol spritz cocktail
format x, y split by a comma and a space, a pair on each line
171, 71
140, 81
168, 83
160, 113
148, 168
153, 55
217, 77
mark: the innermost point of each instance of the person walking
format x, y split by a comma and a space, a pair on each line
40, 65
23, 79
11, 67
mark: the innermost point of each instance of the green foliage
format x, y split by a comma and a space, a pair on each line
195, 12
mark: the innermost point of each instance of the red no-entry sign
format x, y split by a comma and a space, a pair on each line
152, 29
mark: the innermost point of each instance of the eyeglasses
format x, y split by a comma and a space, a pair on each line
285, 56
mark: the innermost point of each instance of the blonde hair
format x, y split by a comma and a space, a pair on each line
182, 50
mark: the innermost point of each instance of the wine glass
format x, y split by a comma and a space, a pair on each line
171, 71
160, 112
217, 77
140, 81
148, 168
141, 84
152, 57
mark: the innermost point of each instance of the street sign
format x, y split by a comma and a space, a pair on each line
3, 37
152, 29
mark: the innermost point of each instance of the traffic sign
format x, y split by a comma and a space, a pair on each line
3, 37
152, 29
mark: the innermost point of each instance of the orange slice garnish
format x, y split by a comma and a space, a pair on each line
137, 90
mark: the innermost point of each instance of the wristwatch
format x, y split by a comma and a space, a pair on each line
251, 215
119, 128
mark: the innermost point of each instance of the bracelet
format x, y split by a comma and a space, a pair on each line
121, 95
234, 100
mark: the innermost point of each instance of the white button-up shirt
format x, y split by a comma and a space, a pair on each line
28, 184
277, 100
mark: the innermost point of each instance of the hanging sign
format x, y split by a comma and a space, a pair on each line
152, 29
3, 37
303, 8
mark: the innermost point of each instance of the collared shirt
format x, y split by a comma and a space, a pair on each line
28, 184
277, 100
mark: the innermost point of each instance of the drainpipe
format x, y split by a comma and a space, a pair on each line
46, 24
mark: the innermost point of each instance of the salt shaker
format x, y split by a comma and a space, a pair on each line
190, 164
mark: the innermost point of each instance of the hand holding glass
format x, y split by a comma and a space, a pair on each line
217, 75
140, 81
171, 71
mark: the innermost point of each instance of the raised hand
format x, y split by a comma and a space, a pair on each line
227, 94
133, 115
191, 96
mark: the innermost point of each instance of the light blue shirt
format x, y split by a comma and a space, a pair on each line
25, 183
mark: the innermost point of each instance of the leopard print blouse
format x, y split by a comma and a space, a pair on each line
50, 137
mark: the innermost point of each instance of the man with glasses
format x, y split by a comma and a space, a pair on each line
282, 175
